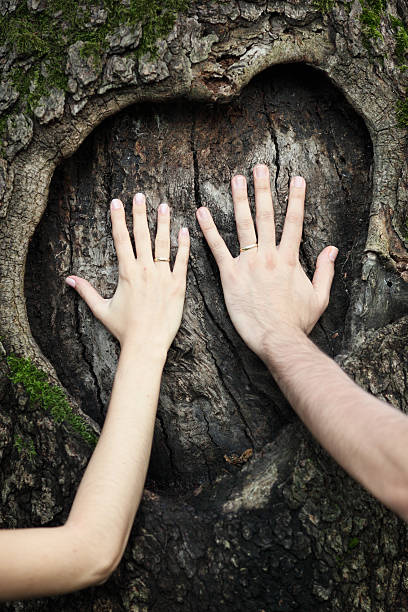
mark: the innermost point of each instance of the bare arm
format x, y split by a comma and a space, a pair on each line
144, 314
273, 306
366, 436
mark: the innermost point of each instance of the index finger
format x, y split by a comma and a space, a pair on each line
293, 227
217, 245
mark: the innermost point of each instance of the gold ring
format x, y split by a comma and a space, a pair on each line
248, 248
167, 260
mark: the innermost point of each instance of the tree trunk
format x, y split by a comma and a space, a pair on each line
242, 510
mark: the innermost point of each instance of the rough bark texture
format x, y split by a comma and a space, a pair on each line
283, 528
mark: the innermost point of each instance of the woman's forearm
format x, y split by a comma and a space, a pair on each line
110, 491
367, 437
89, 546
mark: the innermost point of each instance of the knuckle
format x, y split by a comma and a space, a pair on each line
270, 261
262, 185
293, 217
208, 227
292, 259
179, 286
120, 235
162, 243
245, 223
216, 245
139, 210
264, 215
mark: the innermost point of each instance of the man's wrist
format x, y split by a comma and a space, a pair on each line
278, 346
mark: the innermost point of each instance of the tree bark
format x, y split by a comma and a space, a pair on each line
242, 509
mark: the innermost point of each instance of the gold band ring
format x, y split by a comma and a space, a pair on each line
248, 248
167, 260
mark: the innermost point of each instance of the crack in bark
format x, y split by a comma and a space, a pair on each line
197, 194
77, 318
275, 142
247, 430
159, 417
197, 199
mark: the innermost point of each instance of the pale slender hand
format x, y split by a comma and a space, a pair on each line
266, 289
147, 306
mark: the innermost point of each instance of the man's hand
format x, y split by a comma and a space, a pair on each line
265, 288
148, 303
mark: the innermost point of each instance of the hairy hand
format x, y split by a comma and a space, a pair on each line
147, 306
266, 290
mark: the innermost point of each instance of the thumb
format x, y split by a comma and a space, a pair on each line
323, 276
87, 293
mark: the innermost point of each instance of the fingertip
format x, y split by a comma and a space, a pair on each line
202, 213
261, 171
70, 281
238, 181
139, 199
163, 209
332, 253
116, 204
298, 182
184, 234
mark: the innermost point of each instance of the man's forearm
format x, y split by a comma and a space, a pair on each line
366, 436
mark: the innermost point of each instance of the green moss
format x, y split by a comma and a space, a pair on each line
25, 447
43, 37
401, 40
370, 18
402, 112
324, 6
353, 542
49, 397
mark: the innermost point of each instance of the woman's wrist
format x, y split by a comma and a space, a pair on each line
147, 350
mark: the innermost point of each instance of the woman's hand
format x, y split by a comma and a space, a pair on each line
147, 306
265, 288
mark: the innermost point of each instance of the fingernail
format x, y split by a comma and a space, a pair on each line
116, 204
239, 181
139, 198
261, 171
202, 213
163, 209
184, 232
298, 181
333, 253
70, 282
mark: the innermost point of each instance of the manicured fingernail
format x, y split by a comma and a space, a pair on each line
70, 282
116, 204
239, 181
333, 253
184, 232
298, 181
139, 198
261, 171
202, 213
163, 209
